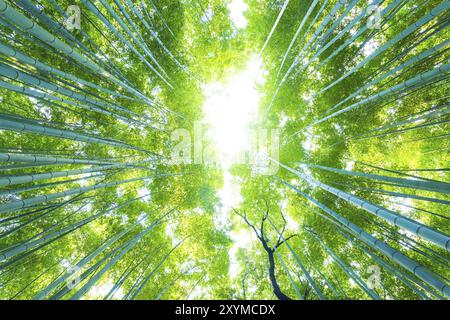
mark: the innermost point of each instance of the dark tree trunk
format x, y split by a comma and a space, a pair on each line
276, 288
270, 253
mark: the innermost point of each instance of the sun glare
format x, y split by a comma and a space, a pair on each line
230, 109
237, 9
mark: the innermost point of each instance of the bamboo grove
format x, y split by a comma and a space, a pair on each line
91, 206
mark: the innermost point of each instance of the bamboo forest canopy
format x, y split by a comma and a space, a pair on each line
122, 123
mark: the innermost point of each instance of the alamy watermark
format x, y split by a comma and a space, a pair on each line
73, 278
261, 152
374, 280
72, 21
374, 13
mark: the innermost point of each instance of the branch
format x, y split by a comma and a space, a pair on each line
264, 218
281, 243
244, 217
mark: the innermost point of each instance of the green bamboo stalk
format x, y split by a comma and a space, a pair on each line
9, 123
393, 218
442, 7
90, 257
141, 44
148, 277
46, 96
56, 234
442, 187
91, 7
283, 8
402, 66
420, 79
15, 17
23, 58
371, 293
300, 264
10, 157
20, 204
415, 268
13, 180
297, 33
29, 79
129, 245
156, 37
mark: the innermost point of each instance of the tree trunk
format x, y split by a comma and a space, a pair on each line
276, 288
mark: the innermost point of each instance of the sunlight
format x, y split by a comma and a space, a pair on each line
99, 291
230, 109
242, 239
237, 9
227, 149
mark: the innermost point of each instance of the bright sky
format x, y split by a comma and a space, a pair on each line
100, 291
237, 9
230, 109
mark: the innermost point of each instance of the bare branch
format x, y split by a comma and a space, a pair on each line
244, 217
281, 243
263, 219
270, 254
266, 214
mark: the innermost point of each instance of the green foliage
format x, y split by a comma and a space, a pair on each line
105, 99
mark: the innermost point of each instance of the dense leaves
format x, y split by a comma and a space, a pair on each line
93, 207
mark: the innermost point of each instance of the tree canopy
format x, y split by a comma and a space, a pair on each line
351, 95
